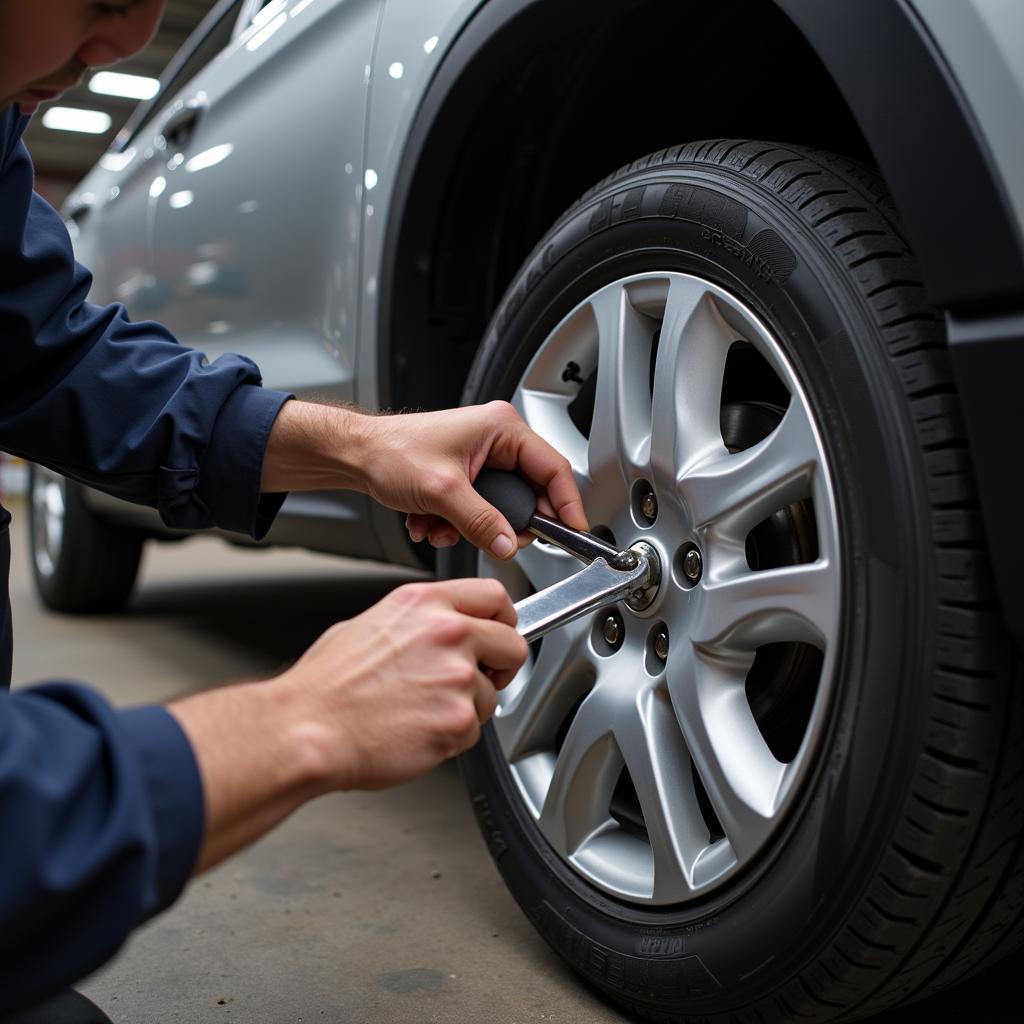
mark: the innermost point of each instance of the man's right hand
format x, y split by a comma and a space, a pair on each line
409, 682
376, 701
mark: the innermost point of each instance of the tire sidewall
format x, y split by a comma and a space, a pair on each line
50, 585
772, 919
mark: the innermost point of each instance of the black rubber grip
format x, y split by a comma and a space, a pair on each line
509, 493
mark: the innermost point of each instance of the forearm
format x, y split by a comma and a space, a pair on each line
260, 756
422, 464
315, 447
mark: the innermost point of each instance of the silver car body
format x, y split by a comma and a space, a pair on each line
272, 250
265, 232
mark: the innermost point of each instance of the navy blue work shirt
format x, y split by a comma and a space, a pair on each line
101, 810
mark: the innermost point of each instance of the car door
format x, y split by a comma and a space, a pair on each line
256, 226
109, 214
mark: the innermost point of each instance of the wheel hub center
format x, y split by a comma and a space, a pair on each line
644, 598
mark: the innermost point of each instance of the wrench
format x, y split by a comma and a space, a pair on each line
610, 576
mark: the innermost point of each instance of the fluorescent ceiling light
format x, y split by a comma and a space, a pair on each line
179, 200
132, 87
75, 119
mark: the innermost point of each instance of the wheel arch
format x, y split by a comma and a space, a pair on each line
526, 111
536, 100
532, 104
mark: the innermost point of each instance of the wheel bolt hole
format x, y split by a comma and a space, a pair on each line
656, 650
645, 504
688, 566
609, 632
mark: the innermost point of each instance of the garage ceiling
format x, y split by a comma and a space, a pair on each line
68, 155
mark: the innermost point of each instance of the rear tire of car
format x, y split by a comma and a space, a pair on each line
896, 868
80, 562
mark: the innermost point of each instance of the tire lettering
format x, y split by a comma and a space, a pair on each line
664, 945
675, 978
489, 826
602, 215
716, 212
631, 203
758, 264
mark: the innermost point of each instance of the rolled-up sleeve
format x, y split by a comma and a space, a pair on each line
121, 406
109, 813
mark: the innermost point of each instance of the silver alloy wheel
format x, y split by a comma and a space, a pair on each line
582, 715
49, 508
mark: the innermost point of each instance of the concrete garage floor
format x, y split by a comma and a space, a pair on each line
377, 907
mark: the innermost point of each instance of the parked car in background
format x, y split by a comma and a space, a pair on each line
779, 338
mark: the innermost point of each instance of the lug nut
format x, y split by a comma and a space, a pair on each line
611, 630
692, 565
661, 645
649, 506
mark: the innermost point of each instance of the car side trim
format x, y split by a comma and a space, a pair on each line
988, 358
927, 144
961, 223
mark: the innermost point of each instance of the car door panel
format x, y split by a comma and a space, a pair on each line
256, 229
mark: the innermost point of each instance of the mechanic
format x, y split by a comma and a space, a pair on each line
106, 813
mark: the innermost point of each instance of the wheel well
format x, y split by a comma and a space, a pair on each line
558, 96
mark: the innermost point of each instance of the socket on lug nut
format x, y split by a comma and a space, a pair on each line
641, 599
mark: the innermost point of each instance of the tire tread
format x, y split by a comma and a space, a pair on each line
974, 723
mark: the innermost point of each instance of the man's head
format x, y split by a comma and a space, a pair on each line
46, 46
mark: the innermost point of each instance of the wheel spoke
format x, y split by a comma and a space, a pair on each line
659, 765
544, 564
735, 492
547, 413
532, 713
619, 444
588, 766
692, 351
739, 772
795, 602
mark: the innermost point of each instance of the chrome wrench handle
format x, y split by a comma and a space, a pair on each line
596, 585
584, 546
610, 576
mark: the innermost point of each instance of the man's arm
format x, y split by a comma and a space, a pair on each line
376, 701
422, 464
102, 818
118, 405
106, 813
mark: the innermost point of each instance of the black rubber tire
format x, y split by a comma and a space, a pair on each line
98, 562
900, 871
